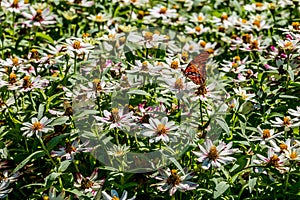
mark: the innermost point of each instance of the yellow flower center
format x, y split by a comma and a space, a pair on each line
46, 197
293, 155
163, 10
283, 147
38, 16
179, 84
37, 126
69, 148
224, 17
15, 4
286, 120
26, 82
202, 44
115, 115
296, 25
236, 59
274, 161
174, 64
256, 23
12, 78
246, 38
148, 36
198, 29
213, 153
200, 18
76, 44
34, 54
15, 61
254, 44
86, 184
266, 133
115, 198
161, 129
259, 4
174, 178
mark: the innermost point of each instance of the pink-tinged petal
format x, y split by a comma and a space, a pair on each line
172, 191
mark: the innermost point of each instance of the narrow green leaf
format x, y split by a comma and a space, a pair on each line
139, 92
45, 37
220, 189
36, 154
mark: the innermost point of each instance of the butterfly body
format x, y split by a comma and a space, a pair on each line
196, 69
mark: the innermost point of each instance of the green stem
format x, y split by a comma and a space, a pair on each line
75, 64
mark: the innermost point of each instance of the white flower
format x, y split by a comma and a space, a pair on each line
115, 119
160, 130
214, 156
173, 181
36, 127
78, 47
115, 196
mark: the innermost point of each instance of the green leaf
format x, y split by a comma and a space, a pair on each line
54, 141
36, 154
252, 183
60, 121
220, 189
50, 178
287, 97
223, 124
139, 92
64, 165
41, 111
45, 37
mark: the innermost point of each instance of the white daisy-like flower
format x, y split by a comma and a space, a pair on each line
243, 94
36, 127
172, 180
115, 196
214, 156
265, 135
160, 130
78, 47
286, 122
115, 119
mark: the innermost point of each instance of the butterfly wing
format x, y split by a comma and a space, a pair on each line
196, 69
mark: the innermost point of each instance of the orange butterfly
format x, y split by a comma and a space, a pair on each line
196, 69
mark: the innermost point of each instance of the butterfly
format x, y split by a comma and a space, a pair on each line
196, 69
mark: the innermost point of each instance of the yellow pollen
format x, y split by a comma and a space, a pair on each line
15, 61
213, 153
174, 178
259, 4
115, 198
163, 10
202, 44
161, 129
37, 126
256, 23
254, 44
148, 36
236, 59
12, 78
266, 133
200, 18
283, 147
244, 21
15, 4
76, 44
99, 17
179, 84
46, 197
174, 64
224, 17
197, 28
293, 155
274, 161
286, 120
296, 25
246, 38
